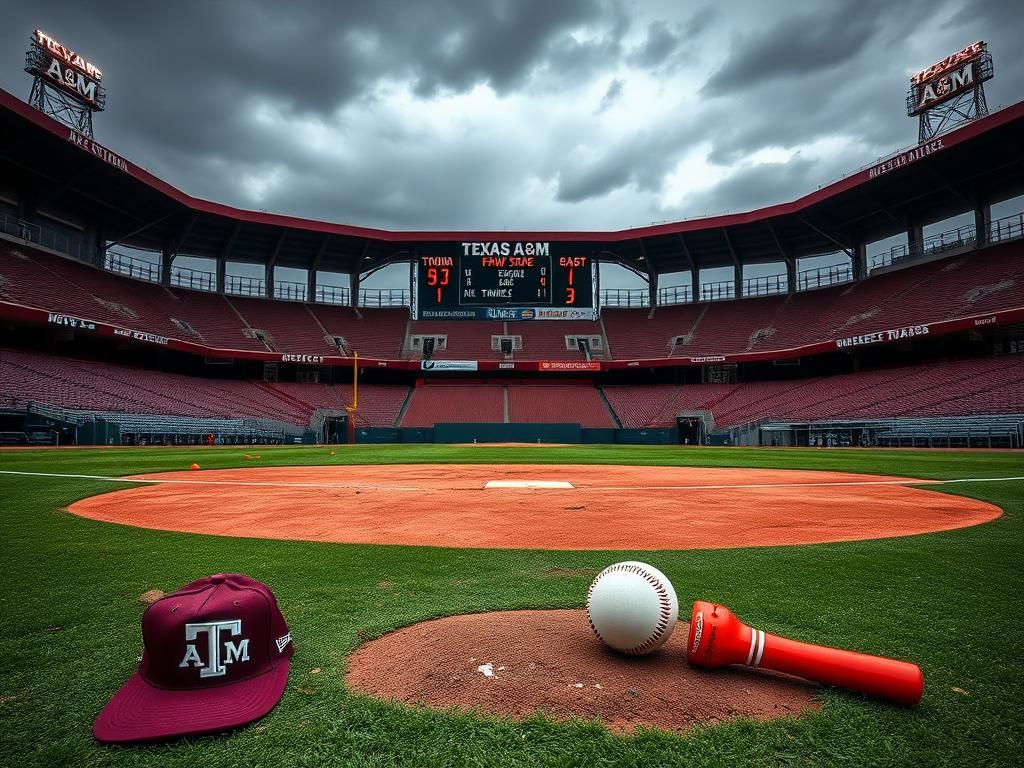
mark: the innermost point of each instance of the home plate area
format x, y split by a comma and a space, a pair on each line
559, 484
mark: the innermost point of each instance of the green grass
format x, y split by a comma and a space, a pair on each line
70, 621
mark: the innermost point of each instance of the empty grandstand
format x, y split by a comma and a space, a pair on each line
922, 343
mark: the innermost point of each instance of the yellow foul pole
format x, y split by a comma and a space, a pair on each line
355, 381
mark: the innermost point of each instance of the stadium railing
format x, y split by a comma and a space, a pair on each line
991, 431
965, 237
385, 297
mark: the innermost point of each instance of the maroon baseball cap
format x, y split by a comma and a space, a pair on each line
216, 656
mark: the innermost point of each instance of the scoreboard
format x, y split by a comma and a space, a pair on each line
504, 281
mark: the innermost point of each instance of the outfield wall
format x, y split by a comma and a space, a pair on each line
486, 432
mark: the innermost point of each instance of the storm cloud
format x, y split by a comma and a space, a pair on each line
519, 114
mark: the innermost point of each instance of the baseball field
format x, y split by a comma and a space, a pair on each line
359, 541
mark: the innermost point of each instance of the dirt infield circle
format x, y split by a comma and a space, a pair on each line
607, 507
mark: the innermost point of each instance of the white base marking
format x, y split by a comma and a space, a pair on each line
527, 484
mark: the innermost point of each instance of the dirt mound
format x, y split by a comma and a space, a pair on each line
514, 663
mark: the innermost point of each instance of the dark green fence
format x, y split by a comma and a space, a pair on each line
514, 433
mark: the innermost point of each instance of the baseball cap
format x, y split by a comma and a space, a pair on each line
216, 656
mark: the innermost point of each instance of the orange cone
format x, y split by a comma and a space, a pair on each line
194, 466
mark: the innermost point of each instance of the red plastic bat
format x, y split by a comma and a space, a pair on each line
718, 638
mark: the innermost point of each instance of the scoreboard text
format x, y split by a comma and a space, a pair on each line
505, 280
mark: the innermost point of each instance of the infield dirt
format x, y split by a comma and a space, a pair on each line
609, 507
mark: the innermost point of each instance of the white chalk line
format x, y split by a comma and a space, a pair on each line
416, 488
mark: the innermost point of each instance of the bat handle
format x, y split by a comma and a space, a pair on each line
897, 681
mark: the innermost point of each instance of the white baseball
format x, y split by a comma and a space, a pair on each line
632, 607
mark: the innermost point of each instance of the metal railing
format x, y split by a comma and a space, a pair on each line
674, 294
332, 294
766, 285
952, 239
193, 279
718, 291
966, 236
384, 297
46, 237
1006, 228
140, 269
245, 286
822, 277
288, 290
625, 297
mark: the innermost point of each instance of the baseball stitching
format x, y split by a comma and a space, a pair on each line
664, 605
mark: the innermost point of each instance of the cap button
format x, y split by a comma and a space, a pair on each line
218, 578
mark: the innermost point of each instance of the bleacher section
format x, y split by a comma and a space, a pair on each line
961, 388
455, 403
632, 333
558, 404
467, 339
983, 281
90, 386
287, 326
545, 339
374, 333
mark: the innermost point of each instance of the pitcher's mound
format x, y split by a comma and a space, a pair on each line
514, 663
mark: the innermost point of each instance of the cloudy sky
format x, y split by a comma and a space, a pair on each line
517, 114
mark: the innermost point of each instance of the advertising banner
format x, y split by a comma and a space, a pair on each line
448, 365
570, 365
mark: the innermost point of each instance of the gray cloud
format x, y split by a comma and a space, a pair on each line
379, 112
794, 45
612, 95
661, 42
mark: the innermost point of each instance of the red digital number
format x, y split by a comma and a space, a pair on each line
570, 296
439, 278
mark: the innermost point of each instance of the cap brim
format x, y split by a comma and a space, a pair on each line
140, 712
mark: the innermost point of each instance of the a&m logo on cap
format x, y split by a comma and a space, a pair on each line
216, 665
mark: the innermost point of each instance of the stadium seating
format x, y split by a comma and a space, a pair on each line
26, 377
958, 388
634, 333
558, 404
734, 326
657, 405
982, 281
455, 403
373, 333
545, 339
467, 339
287, 326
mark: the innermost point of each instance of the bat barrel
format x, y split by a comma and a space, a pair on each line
897, 681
